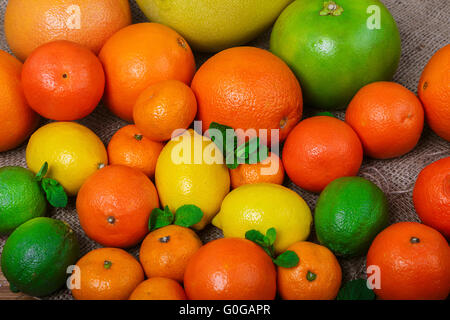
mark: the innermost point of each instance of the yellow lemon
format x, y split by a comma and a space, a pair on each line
261, 207
73, 153
190, 170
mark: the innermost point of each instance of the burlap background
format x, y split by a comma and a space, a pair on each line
424, 27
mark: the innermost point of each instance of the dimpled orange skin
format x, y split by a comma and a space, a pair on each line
293, 283
319, 150
253, 173
434, 92
130, 148
163, 108
107, 274
166, 252
230, 269
431, 196
248, 88
411, 271
17, 118
30, 24
139, 56
114, 206
388, 119
158, 289
63, 81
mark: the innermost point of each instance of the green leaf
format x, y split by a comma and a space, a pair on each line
325, 113
271, 235
55, 193
42, 172
160, 218
255, 236
356, 290
287, 259
188, 215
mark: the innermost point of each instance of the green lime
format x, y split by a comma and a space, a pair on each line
350, 212
36, 256
21, 198
337, 47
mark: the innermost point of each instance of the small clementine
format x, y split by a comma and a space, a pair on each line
158, 289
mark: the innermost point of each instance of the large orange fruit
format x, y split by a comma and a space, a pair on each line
413, 262
17, 119
248, 88
30, 24
129, 147
158, 289
434, 92
106, 274
114, 205
319, 150
163, 108
230, 269
431, 196
166, 252
318, 275
139, 56
63, 81
388, 119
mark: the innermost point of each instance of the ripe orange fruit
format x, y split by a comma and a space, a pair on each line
230, 269
319, 150
106, 274
114, 205
30, 24
166, 252
63, 81
164, 107
431, 196
270, 170
130, 148
388, 119
158, 289
413, 262
248, 88
434, 92
318, 275
139, 56
17, 118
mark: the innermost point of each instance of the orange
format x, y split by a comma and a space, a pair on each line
130, 148
106, 274
318, 275
388, 119
63, 81
413, 262
248, 88
431, 196
163, 108
434, 92
166, 252
158, 289
319, 150
30, 24
230, 269
114, 205
139, 56
17, 119
269, 170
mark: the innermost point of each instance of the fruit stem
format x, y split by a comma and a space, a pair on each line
138, 137
331, 8
311, 276
107, 264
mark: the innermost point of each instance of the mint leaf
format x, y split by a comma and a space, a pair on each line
188, 215
356, 290
42, 172
160, 218
287, 259
226, 144
262, 154
271, 235
255, 236
54, 192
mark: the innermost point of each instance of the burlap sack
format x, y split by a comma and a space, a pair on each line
424, 27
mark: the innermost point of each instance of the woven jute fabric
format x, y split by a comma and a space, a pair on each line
424, 26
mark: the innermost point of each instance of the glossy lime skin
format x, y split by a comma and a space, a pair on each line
334, 56
21, 198
350, 212
36, 256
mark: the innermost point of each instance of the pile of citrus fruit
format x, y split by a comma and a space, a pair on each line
203, 147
